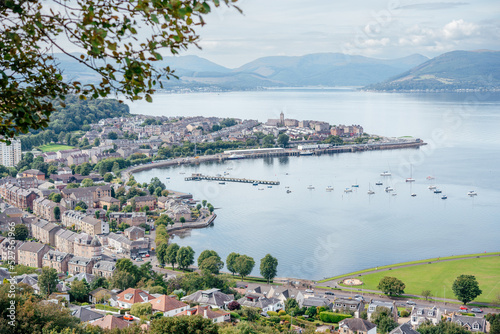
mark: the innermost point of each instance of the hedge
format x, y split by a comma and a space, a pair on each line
106, 308
333, 317
272, 313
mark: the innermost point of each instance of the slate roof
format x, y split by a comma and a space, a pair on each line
357, 324
209, 297
88, 277
404, 329
33, 247
84, 314
465, 320
260, 302
4, 274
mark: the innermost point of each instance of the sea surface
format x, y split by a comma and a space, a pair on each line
316, 234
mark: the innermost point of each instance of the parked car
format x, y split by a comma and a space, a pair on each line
128, 317
476, 310
147, 255
309, 291
139, 259
329, 293
411, 302
464, 308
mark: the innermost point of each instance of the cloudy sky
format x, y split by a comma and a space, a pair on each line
376, 28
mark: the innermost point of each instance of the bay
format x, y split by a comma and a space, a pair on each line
315, 233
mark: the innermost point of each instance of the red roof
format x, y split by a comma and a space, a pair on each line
200, 310
111, 322
132, 296
165, 303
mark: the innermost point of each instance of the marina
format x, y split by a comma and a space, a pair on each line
221, 179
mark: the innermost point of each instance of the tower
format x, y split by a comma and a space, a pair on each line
282, 118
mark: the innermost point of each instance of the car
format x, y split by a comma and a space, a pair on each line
411, 302
476, 310
139, 259
147, 255
329, 293
309, 291
113, 255
128, 317
359, 297
464, 308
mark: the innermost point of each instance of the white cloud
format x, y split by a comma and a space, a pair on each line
458, 29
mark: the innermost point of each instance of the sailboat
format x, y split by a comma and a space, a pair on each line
370, 191
329, 188
385, 173
411, 179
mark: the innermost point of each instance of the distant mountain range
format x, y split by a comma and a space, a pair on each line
452, 70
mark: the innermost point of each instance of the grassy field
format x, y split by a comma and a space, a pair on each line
54, 147
439, 277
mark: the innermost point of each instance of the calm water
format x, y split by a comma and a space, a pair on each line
315, 233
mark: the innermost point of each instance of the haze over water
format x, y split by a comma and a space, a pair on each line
314, 233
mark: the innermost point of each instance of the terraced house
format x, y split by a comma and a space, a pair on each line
44, 208
84, 223
87, 246
57, 260
18, 197
104, 269
89, 195
45, 231
31, 254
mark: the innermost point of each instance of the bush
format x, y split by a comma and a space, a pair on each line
281, 312
275, 319
469, 314
333, 317
405, 313
235, 315
124, 310
272, 313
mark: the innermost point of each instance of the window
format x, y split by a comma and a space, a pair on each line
475, 326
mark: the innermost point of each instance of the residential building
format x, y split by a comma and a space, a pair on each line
100, 295
57, 260
104, 269
130, 218
84, 223
10, 155
168, 306
31, 254
356, 306
211, 297
132, 296
473, 324
78, 265
419, 315
9, 250
65, 240
89, 195
107, 201
45, 232
404, 329
111, 322
18, 197
64, 154
85, 314
33, 173
87, 246
134, 233
372, 307
142, 201
207, 313
282, 293
262, 302
118, 243
78, 159
357, 326
80, 277
44, 208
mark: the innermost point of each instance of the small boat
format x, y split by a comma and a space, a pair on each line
261, 188
385, 173
444, 197
437, 191
329, 188
379, 183
394, 194
286, 173
371, 192
430, 177
355, 185
288, 191
182, 173
411, 179
388, 189
310, 187
287, 187
348, 190
255, 183
269, 186
305, 153
472, 193
229, 168
432, 187
413, 195
168, 177
222, 182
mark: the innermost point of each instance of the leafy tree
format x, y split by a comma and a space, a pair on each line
161, 252
391, 286
87, 183
244, 265
268, 267
99, 282
283, 140
494, 320
82, 205
123, 280
140, 309
466, 288
212, 265
21, 232
442, 328
112, 135
182, 220
268, 141
311, 312
185, 257
198, 206
79, 291
384, 320
291, 305
108, 177
230, 262
55, 197
426, 294
234, 305
206, 254
47, 281
204, 203
171, 254
183, 325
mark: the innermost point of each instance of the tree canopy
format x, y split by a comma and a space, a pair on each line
466, 288
244, 265
119, 41
268, 267
391, 286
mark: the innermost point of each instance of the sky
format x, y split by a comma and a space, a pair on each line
375, 28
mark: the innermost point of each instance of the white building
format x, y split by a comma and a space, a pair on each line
10, 155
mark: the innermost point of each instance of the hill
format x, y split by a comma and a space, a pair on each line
450, 71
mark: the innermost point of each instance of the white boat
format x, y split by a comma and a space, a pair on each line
432, 187
413, 195
444, 197
411, 179
235, 156
310, 187
261, 188
329, 188
379, 183
430, 177
348, 190
388, 189
472, 193
385, 173
371, 192
305, 153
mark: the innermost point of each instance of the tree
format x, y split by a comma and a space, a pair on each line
82, 205
122, 280
494, 320
47, 281
234, 305
79, 291
55, 197
311, 311
161, 252
283, 140
140, 309
87, 183
466, 288
112, 135
426, 294
212, 265
268, 267
171, 254
206, 254
230, 261
21, 232
185, 257
291, 305
244, 265
183, 325
204, 202
119, 43
108, 177
182, 220
443, 327
391, 286
384, 320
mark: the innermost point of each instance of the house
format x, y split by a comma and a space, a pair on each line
207, 313
78, 159
262, 302
57, 260
357, 326
142, 201
374, 304
315, 301
134, 232
131, 296
65, 240
282, 293
4, 274
118, 243
85, 314
29, 279
89, 195
80, 277
356, 306
44, 208
87, 246
79, 265
84, 222
473, 324
111, 322
100, 295
9, 250
211, 297
33, 173
31, 254
107, 201
45, 232
168, 306
419, 315
404, 329
104, 269
18, 197
130, 218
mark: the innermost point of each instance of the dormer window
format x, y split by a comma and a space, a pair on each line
430, 313
475, 326
420, 312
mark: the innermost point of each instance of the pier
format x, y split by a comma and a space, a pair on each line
199, 177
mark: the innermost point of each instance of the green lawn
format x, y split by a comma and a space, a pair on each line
439, 277
54, 147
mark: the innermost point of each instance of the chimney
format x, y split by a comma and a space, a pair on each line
205, 313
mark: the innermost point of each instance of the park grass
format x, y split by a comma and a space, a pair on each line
438, 277
404, 264
54, 147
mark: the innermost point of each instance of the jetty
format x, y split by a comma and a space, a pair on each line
199, 177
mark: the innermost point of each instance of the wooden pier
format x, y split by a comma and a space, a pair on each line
228, 179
